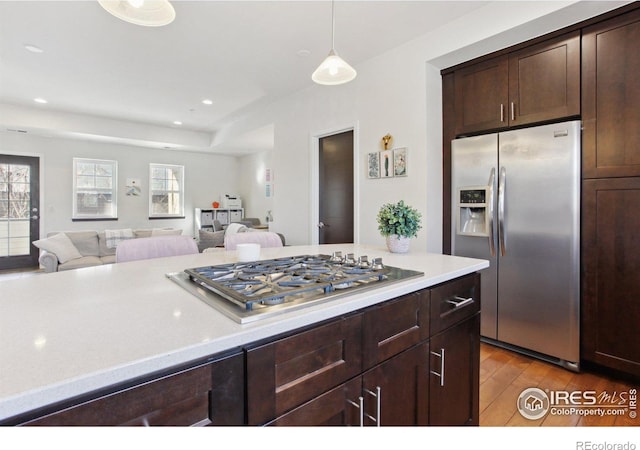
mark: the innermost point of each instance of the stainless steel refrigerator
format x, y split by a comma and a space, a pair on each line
516, 202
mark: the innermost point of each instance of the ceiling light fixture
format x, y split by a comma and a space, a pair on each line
333, 70
40, 100
148, 13
206, 101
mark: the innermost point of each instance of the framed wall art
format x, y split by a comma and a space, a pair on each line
386, 164
400, 162
373, 165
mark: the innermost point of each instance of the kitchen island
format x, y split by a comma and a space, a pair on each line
65, 335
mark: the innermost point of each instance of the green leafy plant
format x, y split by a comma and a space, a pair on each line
400, 219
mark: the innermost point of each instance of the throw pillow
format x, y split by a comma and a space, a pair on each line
61, 246
211, 238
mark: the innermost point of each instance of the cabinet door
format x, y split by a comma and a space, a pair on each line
481, 96
339, 406
611, 273
210, 394
544, 81
396, 392
284, 374
455, 375
392, 327
611, 95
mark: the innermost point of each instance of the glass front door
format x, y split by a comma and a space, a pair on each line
19, 211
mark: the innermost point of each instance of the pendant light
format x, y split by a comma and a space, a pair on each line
148, 13
333, 70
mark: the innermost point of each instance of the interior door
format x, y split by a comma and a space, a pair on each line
19, 211
336, 189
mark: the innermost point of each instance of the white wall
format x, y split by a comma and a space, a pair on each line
251, 180
399, 93
206, 178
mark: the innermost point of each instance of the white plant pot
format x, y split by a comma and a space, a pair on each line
398, 244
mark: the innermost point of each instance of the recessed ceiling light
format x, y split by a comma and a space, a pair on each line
33, 48
206, 101
177, 122
40, 100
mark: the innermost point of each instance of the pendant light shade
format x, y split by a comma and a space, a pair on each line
148, 13
333, 70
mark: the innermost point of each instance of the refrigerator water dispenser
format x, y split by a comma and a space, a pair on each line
473, 216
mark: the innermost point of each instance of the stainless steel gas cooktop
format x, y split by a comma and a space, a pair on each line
248, 291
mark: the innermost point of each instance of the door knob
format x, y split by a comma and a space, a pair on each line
321, 225
34, 217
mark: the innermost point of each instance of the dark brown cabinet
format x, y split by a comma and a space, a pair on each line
610, 98
396, 392
536, 84
391, 385
453, 393
284, 374
455, 353
208, 394
611, 273
611, 193
610, 94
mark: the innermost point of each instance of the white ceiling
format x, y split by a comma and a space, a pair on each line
240, 54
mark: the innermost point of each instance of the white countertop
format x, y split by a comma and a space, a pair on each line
67, 333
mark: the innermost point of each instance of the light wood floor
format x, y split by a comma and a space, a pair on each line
505, 374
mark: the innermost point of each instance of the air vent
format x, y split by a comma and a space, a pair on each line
16, 131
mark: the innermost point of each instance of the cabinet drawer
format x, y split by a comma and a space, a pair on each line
454, 302
337, 407
394, 326
181, 399
286, 373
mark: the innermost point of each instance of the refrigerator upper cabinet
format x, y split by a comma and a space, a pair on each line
474, 165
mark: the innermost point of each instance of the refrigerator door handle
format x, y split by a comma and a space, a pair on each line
502, 181
492, 237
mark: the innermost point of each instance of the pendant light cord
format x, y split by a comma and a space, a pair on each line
333, 25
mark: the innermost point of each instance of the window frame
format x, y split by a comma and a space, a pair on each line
180, 191
79, 216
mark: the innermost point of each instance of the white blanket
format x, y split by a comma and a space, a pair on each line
114, 237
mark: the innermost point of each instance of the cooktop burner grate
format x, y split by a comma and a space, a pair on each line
272, 281
267, 287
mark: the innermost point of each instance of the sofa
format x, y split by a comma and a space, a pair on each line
75, 249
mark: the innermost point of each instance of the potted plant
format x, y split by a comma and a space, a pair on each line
398, 223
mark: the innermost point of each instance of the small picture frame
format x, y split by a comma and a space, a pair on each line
373, 165
386, 164
133, 187
400, 162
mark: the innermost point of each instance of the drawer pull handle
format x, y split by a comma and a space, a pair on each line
360, 406
378, 406
459, 302
441, 374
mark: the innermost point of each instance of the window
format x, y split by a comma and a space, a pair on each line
95, 189
166, 191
